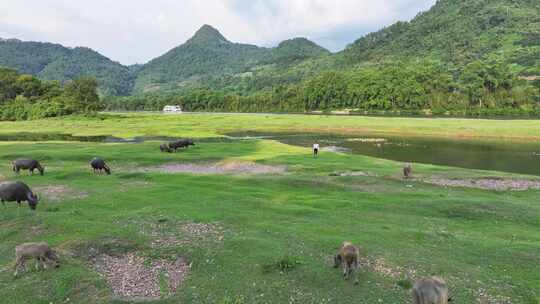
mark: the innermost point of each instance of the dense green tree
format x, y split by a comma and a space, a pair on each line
329, 90
26, 97
82, 95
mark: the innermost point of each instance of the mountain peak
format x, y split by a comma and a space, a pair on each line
299, 42
301, 47
208, 33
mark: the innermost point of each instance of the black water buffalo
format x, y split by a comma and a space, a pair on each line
17, 192
165, 148
99, 165
27, 164
182, 143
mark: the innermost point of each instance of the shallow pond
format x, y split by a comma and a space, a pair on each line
517, 157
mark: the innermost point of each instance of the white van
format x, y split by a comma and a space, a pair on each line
172, 109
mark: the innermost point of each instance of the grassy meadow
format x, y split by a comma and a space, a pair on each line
276, 233
212, 125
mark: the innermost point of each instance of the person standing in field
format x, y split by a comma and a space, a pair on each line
315, 149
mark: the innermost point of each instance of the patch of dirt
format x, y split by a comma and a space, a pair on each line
166, 234
230, 167
35, 230
353, 173
379, 265
57, 193
2, 178
487, 183
130, 277
485, 298
125, 187
89, 250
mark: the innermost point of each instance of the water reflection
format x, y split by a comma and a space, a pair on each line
517, 157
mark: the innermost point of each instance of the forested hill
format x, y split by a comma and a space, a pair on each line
461, 31
206, 53
56, 62
208, 56
208, 59
461, 56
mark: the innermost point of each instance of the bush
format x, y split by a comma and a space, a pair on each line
45, 109
18, 109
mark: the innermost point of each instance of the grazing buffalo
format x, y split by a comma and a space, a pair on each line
165, 148
182, 143
348, 257
41, 252
27, 164
17, 192
99, 165
433, 290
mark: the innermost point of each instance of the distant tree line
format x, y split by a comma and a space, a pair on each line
418, 87
25, 97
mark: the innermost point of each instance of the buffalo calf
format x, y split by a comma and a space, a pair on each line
348, 257
39, 251
431, 290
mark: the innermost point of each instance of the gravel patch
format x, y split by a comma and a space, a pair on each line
172, 234
379, 265
57, 193
353, 173
235, 167
127, 186
129, 277
485, 298
488, 183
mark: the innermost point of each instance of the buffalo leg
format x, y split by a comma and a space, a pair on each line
18, 264
44, 261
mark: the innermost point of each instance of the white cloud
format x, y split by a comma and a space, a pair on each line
136, 31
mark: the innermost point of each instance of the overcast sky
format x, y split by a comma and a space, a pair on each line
135, 31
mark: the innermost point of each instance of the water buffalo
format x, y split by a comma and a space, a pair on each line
182, 143
433, 290
165, 148
99, 165
348, 257
27, 164
39, 251
17, 192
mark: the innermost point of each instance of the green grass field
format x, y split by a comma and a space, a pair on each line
277, 232
211, 125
